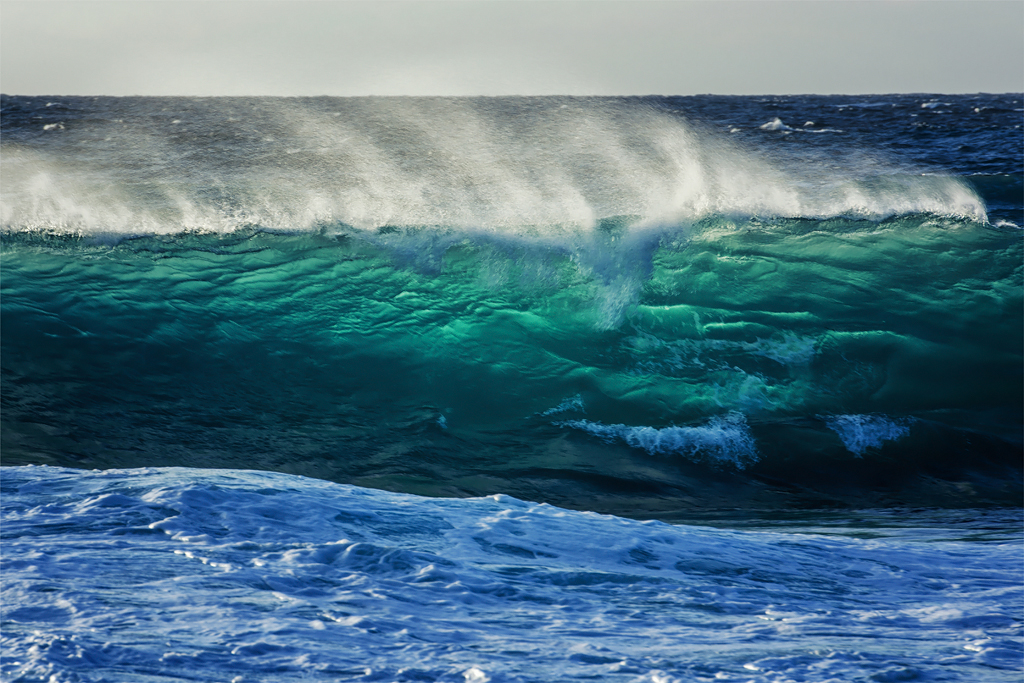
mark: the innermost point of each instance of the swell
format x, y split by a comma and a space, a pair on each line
590, 301
731, 362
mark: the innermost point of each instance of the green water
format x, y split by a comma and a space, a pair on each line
436, 360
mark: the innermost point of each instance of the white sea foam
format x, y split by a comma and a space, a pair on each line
724, 440
775, 124
551, 173
221, 575
861, 432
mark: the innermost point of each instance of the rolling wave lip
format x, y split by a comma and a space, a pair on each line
34, 205
564, 235
461, 164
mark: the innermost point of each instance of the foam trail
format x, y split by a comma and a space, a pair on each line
724, 440
570, 404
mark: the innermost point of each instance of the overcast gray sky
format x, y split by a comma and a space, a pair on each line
493, 47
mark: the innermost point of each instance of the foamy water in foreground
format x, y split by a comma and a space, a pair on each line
179, 574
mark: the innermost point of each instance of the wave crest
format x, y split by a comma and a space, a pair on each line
523, 166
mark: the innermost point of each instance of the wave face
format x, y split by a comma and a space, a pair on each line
181, 574
643, 306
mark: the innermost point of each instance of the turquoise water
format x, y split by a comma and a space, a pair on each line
434, 359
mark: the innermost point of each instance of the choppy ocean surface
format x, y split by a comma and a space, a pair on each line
181, 574
240, 333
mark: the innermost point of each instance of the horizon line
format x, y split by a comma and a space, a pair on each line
369, 95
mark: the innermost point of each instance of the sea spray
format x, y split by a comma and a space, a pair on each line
549, 167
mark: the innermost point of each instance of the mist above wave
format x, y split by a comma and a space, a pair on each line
526, 167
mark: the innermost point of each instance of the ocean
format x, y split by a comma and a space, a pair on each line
512, 389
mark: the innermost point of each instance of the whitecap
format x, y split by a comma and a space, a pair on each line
556, 181
861, 432
775, 124
724, 440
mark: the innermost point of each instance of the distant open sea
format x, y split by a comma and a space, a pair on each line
512, 389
